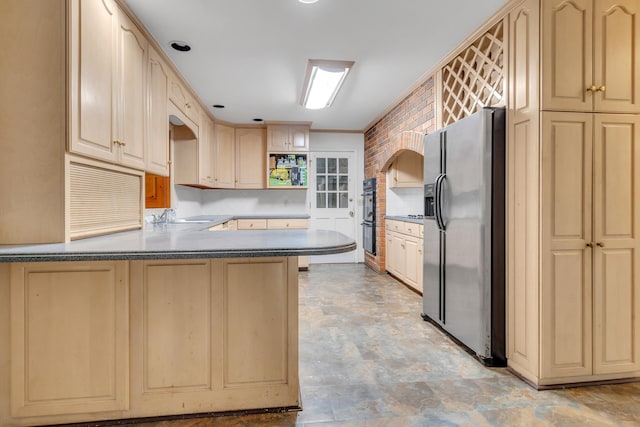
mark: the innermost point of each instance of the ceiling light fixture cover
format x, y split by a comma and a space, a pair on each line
322, 82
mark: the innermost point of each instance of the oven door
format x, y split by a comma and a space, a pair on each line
369, 237
368, 211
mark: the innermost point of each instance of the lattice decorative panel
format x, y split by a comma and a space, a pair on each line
475, 78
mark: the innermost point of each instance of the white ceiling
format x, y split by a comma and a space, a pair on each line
251, 55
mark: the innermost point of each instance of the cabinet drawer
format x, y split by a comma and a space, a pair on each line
252, 224
284, 223
393, 225
412, 229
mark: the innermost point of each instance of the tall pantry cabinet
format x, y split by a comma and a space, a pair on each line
573, 215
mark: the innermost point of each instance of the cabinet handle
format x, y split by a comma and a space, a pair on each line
592, 88
116, 142
589, 245
123, 143
601, 89
600, 245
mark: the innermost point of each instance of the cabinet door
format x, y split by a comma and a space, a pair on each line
250, 158
407, 170
567, 53
616, 282
206, 165
566, 315
183, 100
299, 138
94, 32
413, 261
278, 138
397, 255
173, 306
224, 156
617, 55
131, 107
69, 338
157, 155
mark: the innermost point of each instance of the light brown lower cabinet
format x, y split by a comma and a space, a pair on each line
591, 258
91, 341
404, 252
273, 224
587, 301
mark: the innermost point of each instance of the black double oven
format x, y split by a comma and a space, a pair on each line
369, 215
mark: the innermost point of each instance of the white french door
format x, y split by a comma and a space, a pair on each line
332, 187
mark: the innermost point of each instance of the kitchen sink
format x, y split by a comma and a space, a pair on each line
188, 221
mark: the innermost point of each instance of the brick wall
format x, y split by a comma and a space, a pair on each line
400, 129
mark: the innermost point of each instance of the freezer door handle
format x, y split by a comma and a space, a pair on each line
438, 202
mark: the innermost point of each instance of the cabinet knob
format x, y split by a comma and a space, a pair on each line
592, 88
123, 143
601, 89
589, 245
600, 245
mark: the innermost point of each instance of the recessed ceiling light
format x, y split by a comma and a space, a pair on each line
257, 120
180, 46
307, 1
217, 106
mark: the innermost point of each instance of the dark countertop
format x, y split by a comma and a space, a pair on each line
186, 240
405, 219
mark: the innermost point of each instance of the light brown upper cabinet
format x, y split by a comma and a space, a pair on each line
250, 158
283, 138
206, 167
239, 157
157, 115
591, 55
192, 148
407, 170
108, 84
183, 99
224, 156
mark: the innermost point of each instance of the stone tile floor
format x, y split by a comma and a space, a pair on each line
368, 359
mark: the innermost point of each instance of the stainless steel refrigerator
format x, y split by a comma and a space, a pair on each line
464, 232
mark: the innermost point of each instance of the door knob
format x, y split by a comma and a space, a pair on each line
351, 214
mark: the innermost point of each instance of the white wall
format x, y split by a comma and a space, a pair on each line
354, 142
404, 201
250, 202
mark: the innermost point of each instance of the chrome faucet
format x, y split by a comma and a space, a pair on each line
167, 215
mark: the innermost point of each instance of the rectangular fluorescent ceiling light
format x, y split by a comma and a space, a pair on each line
323, 81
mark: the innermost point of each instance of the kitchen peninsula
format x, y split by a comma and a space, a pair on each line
172, 319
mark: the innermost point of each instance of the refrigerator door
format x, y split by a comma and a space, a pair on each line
466, 200
431, 301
